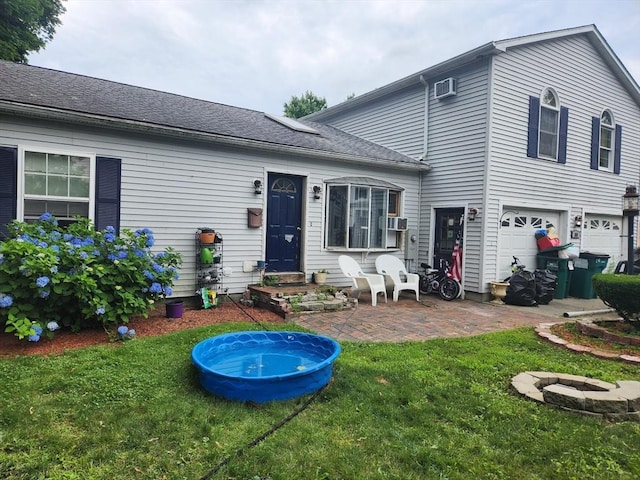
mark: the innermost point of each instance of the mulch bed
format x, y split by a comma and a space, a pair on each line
155, 324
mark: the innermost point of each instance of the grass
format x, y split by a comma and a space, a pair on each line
439, 409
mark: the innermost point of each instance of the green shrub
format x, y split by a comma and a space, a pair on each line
620, 292
77, 277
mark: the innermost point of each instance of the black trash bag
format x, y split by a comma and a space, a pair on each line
546, 282
522, 289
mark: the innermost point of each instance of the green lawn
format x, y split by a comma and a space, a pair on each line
439, 409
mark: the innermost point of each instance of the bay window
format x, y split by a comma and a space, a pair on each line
356, 214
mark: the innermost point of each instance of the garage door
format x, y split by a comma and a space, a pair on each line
602, 234
517, 237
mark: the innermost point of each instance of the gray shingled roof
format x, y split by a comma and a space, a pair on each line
71, 93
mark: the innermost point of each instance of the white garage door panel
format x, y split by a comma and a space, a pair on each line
602, 234
517, 237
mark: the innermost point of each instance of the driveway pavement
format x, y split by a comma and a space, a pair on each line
435, 318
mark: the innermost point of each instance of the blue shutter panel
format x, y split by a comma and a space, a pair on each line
595, 142
617, 149
107, 213
562, 141
8, 187
534, 120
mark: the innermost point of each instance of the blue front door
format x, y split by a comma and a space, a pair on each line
284, 207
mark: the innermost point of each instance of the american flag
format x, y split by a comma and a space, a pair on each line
455, 271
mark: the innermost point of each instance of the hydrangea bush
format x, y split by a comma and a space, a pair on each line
76, 276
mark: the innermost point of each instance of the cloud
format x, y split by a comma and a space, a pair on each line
257, 54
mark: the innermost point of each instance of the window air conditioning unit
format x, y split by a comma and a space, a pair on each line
445, 88
396, 223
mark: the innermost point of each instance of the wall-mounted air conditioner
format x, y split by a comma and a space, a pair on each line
396, 223
445, 88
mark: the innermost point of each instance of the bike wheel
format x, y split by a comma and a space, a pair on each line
449, 289
425, 286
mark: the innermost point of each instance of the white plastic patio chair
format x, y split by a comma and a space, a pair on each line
363, 281
393, 268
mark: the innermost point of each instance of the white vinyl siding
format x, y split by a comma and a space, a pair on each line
174, 187
394, 122
458, 129
586, 86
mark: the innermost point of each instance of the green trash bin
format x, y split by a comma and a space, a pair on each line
548, 260
586, 266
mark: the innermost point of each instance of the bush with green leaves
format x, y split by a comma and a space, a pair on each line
620, 292
76, 276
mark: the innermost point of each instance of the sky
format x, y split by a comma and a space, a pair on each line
257, 54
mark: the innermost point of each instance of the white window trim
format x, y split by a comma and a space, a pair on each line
370, 249
557, 110
55, 151
612, 149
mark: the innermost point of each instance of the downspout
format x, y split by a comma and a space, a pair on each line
425, 138
423, 158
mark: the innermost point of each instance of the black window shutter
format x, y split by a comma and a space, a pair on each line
595, 142
534, 120
108, 172
617, 150
562, 141
8, 187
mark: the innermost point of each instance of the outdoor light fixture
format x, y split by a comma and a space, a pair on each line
471, 213
257, 186
577, 221
630, 209
316, 191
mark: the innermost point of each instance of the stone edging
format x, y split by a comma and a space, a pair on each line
543, 330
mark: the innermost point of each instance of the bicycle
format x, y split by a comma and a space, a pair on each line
516, 266
436, 280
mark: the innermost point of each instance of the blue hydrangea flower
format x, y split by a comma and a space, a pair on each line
149, 275
6, 301
109, 237
67, 237
84, 255
112, 257
42, 281
34, 338
122, 254
46, 217
155, 288
44, 293
54, 269
38, 329
131, 333
100, 311
158, 268
110, 229
122, 330
168, 290
53, 326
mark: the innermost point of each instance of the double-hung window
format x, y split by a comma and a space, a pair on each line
549, 121
547, 127
60, 183
357, 213
606, 143
605, 155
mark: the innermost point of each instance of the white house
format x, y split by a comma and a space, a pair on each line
132, 157
530, 132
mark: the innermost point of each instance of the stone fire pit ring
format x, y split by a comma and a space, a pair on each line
583, 395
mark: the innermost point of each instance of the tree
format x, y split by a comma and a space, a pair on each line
304, 105
26, 26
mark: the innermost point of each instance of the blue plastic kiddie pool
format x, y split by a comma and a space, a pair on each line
263, 366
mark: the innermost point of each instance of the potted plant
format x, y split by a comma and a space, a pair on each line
320, 277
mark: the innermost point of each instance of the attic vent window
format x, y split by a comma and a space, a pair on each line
292, 124
445, 88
